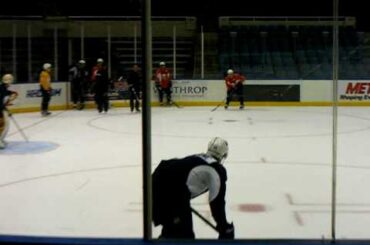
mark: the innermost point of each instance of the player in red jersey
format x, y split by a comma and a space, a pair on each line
234, 85
163, 83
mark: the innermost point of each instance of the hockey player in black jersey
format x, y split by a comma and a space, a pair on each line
177, 181
134, 87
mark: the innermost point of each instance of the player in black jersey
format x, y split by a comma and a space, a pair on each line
134, 87
177, 181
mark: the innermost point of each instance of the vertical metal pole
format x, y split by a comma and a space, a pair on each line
1, 58
29, 52
15, 51
82, 44
109, 43
174, 52
146, 43
135, 43
335, 117
56, 65
202, 53
70, 48
70, 61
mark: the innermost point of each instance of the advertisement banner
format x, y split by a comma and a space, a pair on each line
272, 92
354, 91
118, 91
29, 95
195, 90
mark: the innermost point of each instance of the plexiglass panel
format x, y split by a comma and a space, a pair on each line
262, 78
263, 84
353, 201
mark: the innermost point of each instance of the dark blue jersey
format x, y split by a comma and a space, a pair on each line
177, 181
4, 92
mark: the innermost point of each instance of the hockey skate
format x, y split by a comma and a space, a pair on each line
80, 106
45, 113
2, 144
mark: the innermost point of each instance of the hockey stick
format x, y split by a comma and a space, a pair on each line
204, 219
16, 125
222, 102
286, 90
173, 102
233, 92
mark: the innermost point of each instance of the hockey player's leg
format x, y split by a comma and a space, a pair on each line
132, 98
241, 99
180, 226
137, 105
98, 101
160, 92
168, 94
82, 99
4, 126
45, 103
228, 99
74, 95
105, 103
2, 130
81, 106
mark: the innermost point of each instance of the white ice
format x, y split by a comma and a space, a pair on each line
87, 181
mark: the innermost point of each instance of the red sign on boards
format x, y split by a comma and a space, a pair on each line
358, 88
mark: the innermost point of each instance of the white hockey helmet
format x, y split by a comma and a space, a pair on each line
46, 66
100, 60
230, 71
218, 148
82, 62
162, 63
7, 78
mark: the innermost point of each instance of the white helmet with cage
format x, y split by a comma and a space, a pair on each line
218, 148
7, 78
46, 66
230, 72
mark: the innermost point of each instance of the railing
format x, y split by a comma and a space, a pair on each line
229, 21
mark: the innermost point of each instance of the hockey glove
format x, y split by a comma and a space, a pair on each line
226, 231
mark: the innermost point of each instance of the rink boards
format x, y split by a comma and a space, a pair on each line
212, 92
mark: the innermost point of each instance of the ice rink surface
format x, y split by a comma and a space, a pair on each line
80, 173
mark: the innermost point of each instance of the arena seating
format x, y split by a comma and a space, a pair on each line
294, 52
